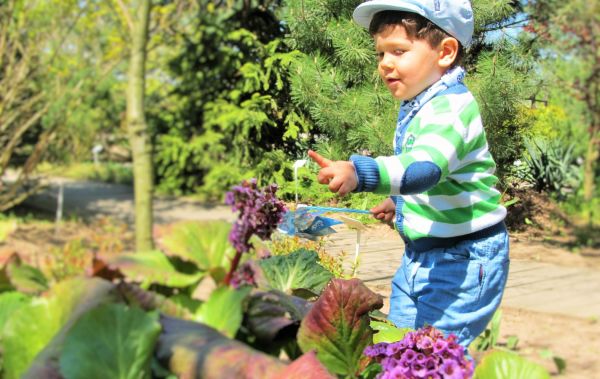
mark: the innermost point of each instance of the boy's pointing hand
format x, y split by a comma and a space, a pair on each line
340, 176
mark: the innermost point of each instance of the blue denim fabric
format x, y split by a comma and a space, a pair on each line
455, 289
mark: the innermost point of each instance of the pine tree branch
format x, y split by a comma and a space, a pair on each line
508, 25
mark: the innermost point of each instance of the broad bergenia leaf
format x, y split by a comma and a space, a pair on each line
223, 310
274, 312
194, 350
296, 273
204, 243
36, 330
149, 301
385, 331
110, 341
507, 365
9, 303
307, 366
152, 267
337, 326
23, 277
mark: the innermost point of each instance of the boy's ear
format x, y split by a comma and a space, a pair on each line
448, 50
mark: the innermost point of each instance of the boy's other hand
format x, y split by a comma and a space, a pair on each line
385, 211
340, 176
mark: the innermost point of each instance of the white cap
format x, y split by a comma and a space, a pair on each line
454, 17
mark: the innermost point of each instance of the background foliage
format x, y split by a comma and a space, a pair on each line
239, 89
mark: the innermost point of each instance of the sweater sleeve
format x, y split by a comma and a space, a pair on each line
439, 145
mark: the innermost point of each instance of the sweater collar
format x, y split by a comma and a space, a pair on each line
450, 78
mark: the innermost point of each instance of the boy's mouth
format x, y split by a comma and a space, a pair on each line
392, 80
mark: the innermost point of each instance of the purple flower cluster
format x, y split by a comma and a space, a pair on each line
424, 353
245, 275
259, 213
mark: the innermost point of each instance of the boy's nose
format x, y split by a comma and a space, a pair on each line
386, 62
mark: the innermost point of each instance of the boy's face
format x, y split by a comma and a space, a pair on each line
407, 66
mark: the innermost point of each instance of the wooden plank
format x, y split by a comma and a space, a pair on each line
531, 285
545, 277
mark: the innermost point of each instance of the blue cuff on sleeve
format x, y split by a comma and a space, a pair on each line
367, 172
419, 177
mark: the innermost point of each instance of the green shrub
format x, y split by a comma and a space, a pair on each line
551, 166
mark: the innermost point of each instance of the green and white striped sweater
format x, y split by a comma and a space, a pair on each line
442, 176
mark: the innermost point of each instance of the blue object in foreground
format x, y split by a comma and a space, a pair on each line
307, 222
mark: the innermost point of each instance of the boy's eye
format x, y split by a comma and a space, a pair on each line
380, 55
398, 51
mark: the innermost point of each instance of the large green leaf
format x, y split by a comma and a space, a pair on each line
296, 273
387, 332
223, 310
149, 300
152, 267
110, 341
337, 326
36, 330
204, 243
22, 277
9, 303
506, 365
193, 350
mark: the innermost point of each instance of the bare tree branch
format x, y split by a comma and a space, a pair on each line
126, 15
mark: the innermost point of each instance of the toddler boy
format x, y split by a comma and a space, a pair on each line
441, 177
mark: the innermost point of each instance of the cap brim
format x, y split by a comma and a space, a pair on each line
363, 14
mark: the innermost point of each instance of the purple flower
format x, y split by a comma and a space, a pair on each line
451, 370
424, 353
398, 372
245, 275
376, 351
259, 213
425, 343
409, 355
439, 346
388, 363
418, 370
394, 350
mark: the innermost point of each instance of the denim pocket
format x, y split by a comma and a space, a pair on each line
456, 253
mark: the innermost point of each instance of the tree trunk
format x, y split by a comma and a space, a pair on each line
139, 136
589, 168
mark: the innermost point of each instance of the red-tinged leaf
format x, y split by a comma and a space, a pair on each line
193, 350
337, 326
150, 301
305, 367
271, 314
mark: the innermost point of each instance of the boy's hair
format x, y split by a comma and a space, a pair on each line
416, 26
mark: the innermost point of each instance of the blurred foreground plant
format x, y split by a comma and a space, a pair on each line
259, 213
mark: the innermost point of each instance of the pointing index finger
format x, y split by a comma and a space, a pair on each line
320, 160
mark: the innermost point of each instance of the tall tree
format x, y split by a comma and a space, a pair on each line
139, 135
38, 88
568, 35
337, 86
226, 113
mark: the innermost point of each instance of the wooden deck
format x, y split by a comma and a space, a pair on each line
535, 286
